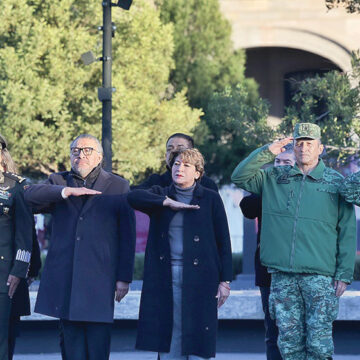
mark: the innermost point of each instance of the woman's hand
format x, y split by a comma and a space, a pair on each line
177, 205
223, 293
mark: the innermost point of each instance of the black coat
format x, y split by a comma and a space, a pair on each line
21, 301
92, 246
251, 208
165, 179
206, 261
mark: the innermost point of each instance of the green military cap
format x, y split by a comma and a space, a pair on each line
307, 130
3, 142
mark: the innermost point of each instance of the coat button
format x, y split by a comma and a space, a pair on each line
196, 262
81, 218
78, 238
161, 257
206, 328
2, 258
196, 238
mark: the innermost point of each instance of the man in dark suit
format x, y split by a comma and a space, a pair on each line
175, 142
91, 254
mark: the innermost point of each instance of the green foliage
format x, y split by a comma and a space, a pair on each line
139, 266
204, 58
351, 6
47, 97
235, 124
237, 261
332, 102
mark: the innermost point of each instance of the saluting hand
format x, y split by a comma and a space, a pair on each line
277, 146
223, 293
122, 288
74, 191
12, 283
177, 205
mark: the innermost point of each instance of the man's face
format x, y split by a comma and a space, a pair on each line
84, 164
285, 158
307, 151
174, 144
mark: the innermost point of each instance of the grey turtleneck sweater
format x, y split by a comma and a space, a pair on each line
176, 231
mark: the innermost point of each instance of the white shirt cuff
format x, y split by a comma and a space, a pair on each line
63, 194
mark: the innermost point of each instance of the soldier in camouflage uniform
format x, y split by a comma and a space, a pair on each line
308, 241
350, 188
15, 240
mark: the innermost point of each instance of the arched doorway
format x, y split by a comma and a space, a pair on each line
274, 68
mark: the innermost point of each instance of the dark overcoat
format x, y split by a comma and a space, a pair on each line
92, 246
251, 208
207, 260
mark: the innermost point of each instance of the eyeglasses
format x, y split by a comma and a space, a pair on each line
87, 151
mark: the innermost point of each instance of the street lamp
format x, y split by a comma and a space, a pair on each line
105, 92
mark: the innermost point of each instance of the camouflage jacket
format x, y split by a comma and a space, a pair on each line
350, 189
307, 227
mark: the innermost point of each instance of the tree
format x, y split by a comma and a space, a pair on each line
205, 61
351, 6
333, 102
236, 124
47, 97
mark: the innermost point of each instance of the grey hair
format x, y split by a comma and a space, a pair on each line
88, 136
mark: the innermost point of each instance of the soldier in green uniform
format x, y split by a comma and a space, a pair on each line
308, 241
15, 239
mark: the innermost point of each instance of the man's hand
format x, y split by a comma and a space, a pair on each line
277, 146
176, 205
340, 287
12, 283
223, 293
122, 288
74, 191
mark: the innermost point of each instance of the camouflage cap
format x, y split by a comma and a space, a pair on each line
3, 142
307, 130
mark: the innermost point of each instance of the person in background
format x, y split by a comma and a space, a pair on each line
251, 208
188, 263
16, 231
175, 142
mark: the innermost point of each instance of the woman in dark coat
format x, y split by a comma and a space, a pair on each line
188, 264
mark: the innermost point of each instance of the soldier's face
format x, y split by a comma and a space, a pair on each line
307, 151
84, 164
285, 158
174, 144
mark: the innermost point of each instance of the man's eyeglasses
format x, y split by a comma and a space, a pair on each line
87, 151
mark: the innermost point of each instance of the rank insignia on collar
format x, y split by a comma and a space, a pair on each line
283, 179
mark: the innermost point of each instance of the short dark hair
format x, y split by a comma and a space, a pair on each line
192, 156
183, 136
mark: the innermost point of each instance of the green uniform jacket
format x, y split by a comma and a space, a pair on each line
350, 189
16, 229
307, 227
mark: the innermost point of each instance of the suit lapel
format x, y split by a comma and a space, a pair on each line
101, 184
74, 200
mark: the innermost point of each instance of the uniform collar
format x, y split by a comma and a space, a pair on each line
316, 173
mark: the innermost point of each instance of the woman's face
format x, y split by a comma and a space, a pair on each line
183, 173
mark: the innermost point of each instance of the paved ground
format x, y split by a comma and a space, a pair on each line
151, 356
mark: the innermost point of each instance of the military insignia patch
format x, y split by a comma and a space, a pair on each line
5, 195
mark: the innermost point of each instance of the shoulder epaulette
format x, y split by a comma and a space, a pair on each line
14, 177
